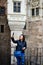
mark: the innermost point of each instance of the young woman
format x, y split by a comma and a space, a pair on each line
20, 49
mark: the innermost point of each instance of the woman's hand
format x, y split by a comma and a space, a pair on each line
23, 48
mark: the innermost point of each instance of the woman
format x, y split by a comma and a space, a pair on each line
20, 48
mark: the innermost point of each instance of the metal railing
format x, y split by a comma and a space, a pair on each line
33, 56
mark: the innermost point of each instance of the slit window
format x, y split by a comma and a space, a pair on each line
37, 11
1, 28
33, 12
2, 10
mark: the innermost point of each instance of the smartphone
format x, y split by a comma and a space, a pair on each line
13, 33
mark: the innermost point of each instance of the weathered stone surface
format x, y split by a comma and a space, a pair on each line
35, 33
5, 51
4, 42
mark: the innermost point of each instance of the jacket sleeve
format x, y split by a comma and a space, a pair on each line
14, 41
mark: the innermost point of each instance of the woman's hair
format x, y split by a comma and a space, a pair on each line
23, 37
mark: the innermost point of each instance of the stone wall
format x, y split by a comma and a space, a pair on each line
5, 45
35, 33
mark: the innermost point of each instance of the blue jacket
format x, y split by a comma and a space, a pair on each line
20, 44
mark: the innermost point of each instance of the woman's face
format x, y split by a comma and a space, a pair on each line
21, 38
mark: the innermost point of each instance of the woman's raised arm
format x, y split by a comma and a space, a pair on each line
12, 38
